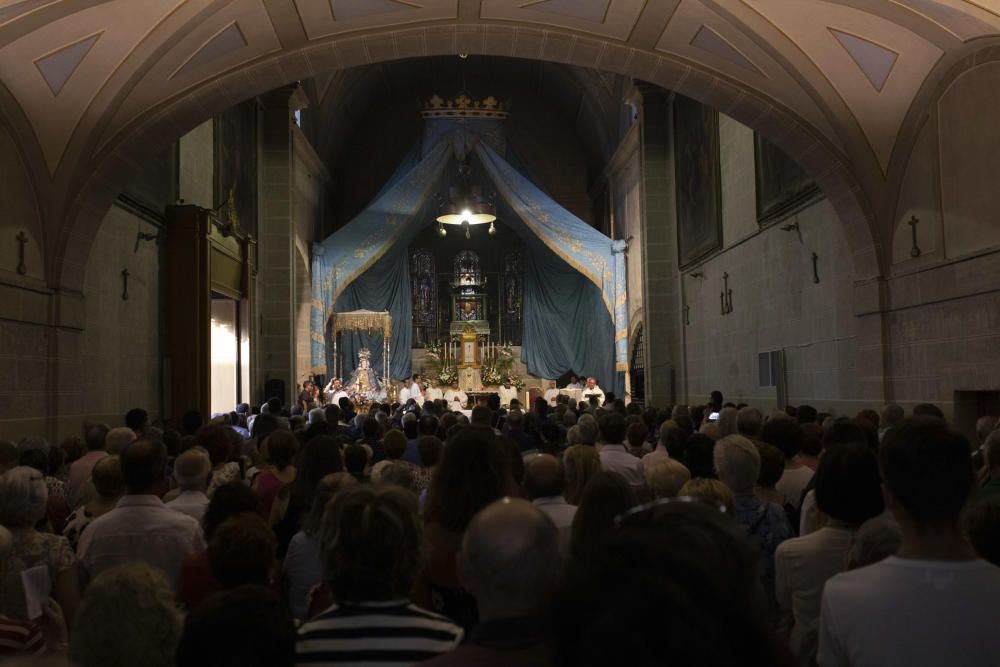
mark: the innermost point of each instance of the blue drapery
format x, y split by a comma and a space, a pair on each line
574, 283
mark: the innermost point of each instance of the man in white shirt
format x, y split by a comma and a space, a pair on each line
457, 399
551, 395
433, 392
141, 528
545, 481
593, 390
192, 471
417, 390
574, 383
507, 394
934, 602
613, 454
334, 392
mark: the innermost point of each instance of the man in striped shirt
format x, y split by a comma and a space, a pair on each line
371, 541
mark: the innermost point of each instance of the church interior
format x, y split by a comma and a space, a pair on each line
499, 332
805, 203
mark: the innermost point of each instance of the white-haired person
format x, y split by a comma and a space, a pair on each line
127, 617
737, 463
23, 498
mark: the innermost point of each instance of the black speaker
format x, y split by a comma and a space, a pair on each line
275, 387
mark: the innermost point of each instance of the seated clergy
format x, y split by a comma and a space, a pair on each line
593, 390
433, 392
507, 393
457, 399
574, 383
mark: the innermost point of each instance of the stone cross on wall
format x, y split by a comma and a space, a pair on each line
22, 240
913, 222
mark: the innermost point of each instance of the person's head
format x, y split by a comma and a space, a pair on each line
399, 474
806, 414
716, 400
846, 432
23, 497
371, 544
515, 420
137, 419
355, 459
673, 439
928, 410
136, 597
280, 449
737, 463
606, 496
411, 425
394, 442
587, 431
429, 447
143, 467
784, 434
848, 486
327, 488
985, 426
320, 456
891, 415
991, 451
544, 477
869, 416
682, 561
665, 478
982, 527
192, 470
117, 439
192, 420
317, 415
581, 463
246, 626
274, 406
427, 425
481, 416
812, 440
242, 551
509, 558
699, 455
772, 465
474, 470
876, 540
636, 434
107, 478
926, 472
727, 422
749, 421
215, 440
710, 491
227, 501
95, 437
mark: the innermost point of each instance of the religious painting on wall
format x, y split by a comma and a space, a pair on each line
425, 298
783, 187
236, 164
698, 179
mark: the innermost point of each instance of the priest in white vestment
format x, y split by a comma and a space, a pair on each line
417, 390
404, 394
574, 383
457, 399
433, 392
593, 390
507, 394
551, 394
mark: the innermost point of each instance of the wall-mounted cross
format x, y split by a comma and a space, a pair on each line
913, 222
125, 284
687, 314
815, 268
22, 240
726, 297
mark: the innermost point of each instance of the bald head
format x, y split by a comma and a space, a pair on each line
544, 477
509, 558
985, 426
192, 469
143, 463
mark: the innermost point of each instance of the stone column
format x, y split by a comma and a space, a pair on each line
661, 305
275, 297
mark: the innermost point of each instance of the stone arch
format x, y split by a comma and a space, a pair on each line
174, 117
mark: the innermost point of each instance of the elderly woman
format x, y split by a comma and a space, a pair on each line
582, 462
127, 617
23, 498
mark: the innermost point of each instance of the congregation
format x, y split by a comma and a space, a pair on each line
541, 535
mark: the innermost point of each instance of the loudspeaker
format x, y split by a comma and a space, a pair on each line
275, 387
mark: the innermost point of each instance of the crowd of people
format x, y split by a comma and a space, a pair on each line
574, 534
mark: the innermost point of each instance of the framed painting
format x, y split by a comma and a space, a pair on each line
783, 187
698, 180
236, 162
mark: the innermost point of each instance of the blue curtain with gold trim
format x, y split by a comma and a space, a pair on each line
575, 315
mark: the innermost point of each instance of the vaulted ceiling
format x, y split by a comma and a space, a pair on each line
90, 85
